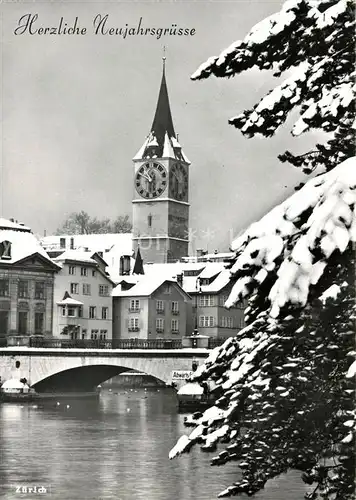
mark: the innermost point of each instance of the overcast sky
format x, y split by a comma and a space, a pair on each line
76, 108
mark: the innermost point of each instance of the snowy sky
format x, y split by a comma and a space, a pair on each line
77, 108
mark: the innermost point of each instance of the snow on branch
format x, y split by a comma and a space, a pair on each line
314, 39
294, 241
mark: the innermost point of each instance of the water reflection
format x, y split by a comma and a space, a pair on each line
114, 448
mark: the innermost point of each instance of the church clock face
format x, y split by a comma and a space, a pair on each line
178, 182
151, 180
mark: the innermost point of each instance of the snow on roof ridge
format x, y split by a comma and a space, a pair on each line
10, 224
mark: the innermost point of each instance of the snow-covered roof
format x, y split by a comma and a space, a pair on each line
70, 302
93, 242
23, 242
161, 272
9, 224
76, 255
191, 389
219, 283
212, 269
144, 288
13, 383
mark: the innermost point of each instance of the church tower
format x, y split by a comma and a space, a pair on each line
161, 182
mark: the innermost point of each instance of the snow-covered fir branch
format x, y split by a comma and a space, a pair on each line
314, 40
284, 388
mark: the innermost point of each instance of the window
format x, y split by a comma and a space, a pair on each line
160, 306
92, 312
167, 289
159, 325
4, 288
223, 299
206, 321
134, 305
149, 220
86, 289
104, 313
74, 288
133, 325
84, 333
103, 334
83, 271
206, 300
72, 243
39, 322
39, 290
93, 273
174, 307
227, 322
64, 310
22, 322
103, 290
72, 270
23, 289
241, 323
62, 242
175, 326
71, 311
80, 311
94, 334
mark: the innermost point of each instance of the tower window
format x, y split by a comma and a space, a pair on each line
149, 220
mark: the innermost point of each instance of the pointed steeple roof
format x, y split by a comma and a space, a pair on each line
162, 122
162, 140
138, 267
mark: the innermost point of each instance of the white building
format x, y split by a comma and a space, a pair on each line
82, 297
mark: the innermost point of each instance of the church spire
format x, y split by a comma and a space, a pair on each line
162, 140
162, 121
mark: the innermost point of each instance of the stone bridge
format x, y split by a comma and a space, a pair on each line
77, 370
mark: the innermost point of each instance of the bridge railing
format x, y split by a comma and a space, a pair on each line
42, 342
106, 344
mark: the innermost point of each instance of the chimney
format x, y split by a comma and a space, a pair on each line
180, 279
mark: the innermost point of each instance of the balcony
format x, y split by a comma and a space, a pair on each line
175, 313
160, 311
175, 332
160, 330
134, 309
134, 329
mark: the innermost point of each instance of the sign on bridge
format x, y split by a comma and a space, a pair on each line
181, 374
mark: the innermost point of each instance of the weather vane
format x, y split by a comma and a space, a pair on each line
164, 56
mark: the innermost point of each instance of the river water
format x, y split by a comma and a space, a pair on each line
115, 448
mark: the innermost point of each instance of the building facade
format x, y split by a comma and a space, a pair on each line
161, 190
82, 297
26, 283
151, 309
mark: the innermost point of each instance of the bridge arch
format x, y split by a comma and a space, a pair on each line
81, 378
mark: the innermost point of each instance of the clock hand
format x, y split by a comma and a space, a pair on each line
146, 177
